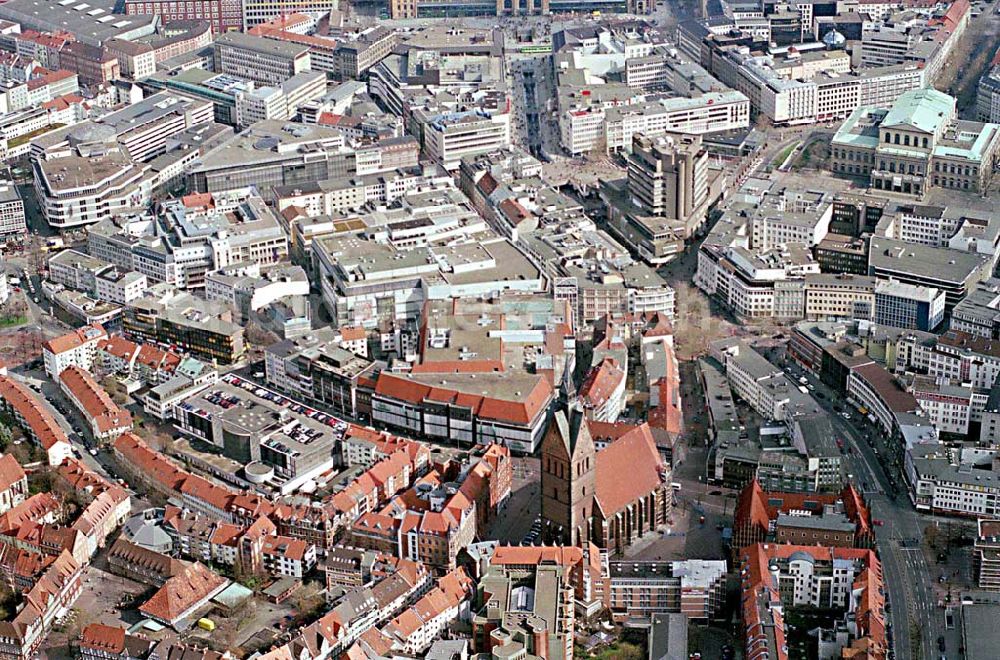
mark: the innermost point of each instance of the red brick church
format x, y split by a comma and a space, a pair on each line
609, 497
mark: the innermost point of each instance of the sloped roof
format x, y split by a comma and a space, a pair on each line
601, 382
94, 400
922, 109
183, 592
626, 470
43, 425
520, 406
11, 471
106, 639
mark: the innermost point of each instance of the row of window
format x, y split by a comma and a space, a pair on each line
906, 140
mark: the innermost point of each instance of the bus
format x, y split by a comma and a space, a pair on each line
533, 50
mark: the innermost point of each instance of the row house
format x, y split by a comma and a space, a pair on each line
13, 483
38, 424
102, 516
40, 508
314, 524
374, 486
107, 421
78, 347
55, 592
101, 642
143, 361
414, 630
365, 446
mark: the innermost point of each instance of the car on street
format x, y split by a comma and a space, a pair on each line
878, 523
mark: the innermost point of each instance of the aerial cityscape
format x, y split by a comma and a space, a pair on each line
508, 330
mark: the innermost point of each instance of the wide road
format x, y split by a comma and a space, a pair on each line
907, 575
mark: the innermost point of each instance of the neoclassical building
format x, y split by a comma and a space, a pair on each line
609, 497
916, 144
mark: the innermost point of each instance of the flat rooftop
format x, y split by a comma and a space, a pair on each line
72, 172
932, 263
262, 45
91, 21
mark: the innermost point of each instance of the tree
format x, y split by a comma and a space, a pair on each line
308, 599
6, 436
16, 307
41, 480
109, 384
259, 336
159, 441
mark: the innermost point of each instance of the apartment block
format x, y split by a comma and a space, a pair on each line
77, 348
693, 587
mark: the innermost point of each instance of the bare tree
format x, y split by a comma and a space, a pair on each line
259, 336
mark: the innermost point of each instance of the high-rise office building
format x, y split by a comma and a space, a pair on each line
668, 174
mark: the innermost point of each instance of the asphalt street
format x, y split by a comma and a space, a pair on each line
907, 574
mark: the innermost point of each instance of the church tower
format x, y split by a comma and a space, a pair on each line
568, 464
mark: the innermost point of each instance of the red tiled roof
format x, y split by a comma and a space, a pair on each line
451, 590
284, 22
487, 184
660, 326
395, 465
303, 39
56, 104
95, 402
42, 599
757, 507
514, 211
633, 456
75, 339
100, 510
119, 347
226, 534
666, 416
151, 464
760, 590
349, 333
520, 411
198, 201
377, 524
534, 555
601, 382
182, 592
205, 491
152, 357
102, 638
33, 509
609, 432
41, 422
284, 546
11, 471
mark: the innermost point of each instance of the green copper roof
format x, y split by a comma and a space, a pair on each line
923, 109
